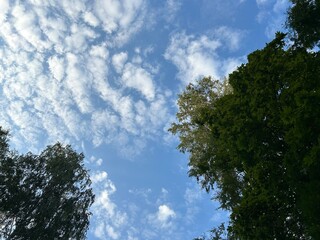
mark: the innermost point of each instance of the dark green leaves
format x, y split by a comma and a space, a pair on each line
304, 21
44, 196
259, 143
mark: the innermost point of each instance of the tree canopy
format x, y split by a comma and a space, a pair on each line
304, 22
256, 142
43, 196
255, 138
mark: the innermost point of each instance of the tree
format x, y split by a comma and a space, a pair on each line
43, 196
195, 118
218, 233
304, 22
258, 144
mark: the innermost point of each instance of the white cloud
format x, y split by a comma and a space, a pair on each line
112, 233
105, 204
95, 161
163, 218
4, 10
164, 214
24, 22
138, 78
72, 8
192, 56
108, 220
99, 51
57, 67
273, 13
78, 83
99, 177
91, 19
196, 57
231, 38
78, 38
121, 19
118, 61
61, 74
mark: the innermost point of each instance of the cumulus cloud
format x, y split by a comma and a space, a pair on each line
196, 56
108, 220
164, 215
57, 86
55, 60
57, 67
24, 22
138, 78
118, 61
91, 19
4, 10
163, 218
120, 19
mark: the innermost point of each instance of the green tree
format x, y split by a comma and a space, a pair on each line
304, 22
43, 196
258, 144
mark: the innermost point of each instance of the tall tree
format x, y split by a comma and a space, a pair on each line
304, 22
258, 144
43, 196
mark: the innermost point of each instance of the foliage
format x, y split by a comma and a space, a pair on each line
43, 196
194, 126
258, 145
218, 233
304, 22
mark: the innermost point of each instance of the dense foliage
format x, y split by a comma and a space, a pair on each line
304, 22
45, 196
258, 143
255, 139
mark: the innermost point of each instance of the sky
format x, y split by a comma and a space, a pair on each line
104, 76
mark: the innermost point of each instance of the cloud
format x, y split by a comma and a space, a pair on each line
163, 218
273, 13
108, 220
140, 79
57, 67
91, 19
260, 3
192, 196
120, 19
95, 161
118, 61
141, 193
4, 10
231, 38
171, 9
55, 59
164, 215
24, 22
196, 56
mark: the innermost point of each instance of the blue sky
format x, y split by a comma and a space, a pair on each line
103, 76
